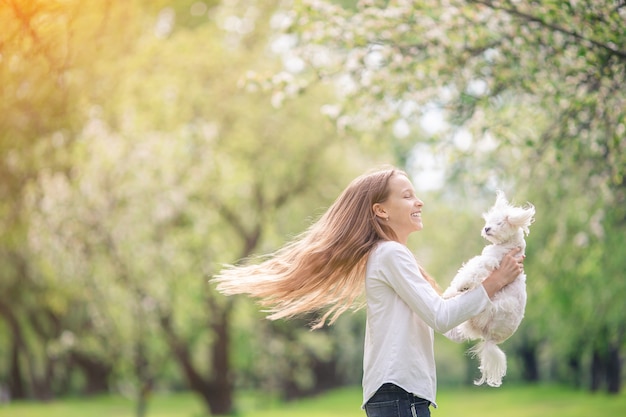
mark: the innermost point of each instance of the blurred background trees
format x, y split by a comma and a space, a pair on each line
526, 96
145, 144
158, 168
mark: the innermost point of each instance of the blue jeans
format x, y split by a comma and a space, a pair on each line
392, 401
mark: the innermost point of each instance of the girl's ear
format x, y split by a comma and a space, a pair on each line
379, 211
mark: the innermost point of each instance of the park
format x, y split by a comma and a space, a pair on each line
146, 144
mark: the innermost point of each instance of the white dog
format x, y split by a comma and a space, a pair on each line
505, 227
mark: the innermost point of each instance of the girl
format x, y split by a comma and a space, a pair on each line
360, 244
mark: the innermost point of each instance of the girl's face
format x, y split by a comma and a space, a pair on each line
402, 210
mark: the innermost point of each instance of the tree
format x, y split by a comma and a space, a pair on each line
538, 83
44, 73
176, 171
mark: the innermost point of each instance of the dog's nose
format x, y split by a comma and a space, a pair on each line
487, 229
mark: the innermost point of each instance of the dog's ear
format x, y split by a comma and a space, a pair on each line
522, 217
501, 200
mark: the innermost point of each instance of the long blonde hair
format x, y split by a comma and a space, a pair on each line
324, 267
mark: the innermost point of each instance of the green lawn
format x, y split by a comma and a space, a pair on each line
510, 401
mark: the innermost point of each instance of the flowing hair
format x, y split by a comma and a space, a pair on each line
324, 267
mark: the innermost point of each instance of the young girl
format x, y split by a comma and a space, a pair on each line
360, 244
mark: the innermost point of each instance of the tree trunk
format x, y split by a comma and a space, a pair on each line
597, 370
42, 385
17, 385
17, 390
530, 368
96, 372
575, 369
222, 387
145, 380
614, 370
217, 391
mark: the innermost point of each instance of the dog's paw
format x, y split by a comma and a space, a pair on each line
450, 292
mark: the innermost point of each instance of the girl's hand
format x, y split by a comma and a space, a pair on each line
511, 266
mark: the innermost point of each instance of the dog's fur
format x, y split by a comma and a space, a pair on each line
505, 227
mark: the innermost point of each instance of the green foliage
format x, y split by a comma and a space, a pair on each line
533, 102
160, 168
543, 77
143, 145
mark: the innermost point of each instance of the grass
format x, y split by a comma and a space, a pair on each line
527, 401
510, 401
178, 405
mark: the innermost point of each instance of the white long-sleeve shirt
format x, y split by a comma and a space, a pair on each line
403, 310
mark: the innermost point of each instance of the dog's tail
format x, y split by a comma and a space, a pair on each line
492, 363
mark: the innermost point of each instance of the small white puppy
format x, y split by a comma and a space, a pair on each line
505, 227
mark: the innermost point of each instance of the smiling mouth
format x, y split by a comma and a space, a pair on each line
416, 214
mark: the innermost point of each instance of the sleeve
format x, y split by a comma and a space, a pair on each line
403, 275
